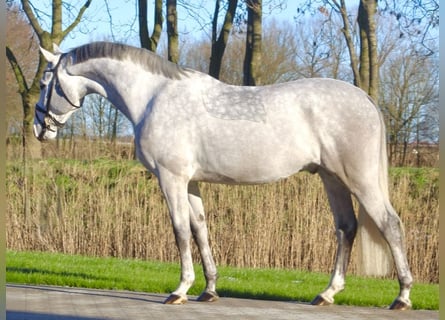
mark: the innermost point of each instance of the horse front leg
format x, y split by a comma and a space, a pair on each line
200, 234
175, 192
346, 227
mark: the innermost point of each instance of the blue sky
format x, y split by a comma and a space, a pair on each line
123, 15
117, 19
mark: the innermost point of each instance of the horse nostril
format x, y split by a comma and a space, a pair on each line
41, 136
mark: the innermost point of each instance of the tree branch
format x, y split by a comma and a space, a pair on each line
215, 22
32, 18
349, 42
219, 42
172, 31
77, 20
157, 29
147, 41
143, 24
19, 76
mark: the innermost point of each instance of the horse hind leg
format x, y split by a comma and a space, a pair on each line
377, 206
200, 234
346, 227
394, 235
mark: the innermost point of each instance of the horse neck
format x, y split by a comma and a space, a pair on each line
126, 85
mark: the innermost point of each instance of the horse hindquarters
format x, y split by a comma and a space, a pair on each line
364, 173
378, 218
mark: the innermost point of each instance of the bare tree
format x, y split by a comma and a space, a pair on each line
219, 42
147, 41
417, 20
369, 63
320, 51
97, 119
29, 92
278, 65
408, 100
22, 41
172, 31
348, 33
364, 64
279, 49
102, 119
252, 58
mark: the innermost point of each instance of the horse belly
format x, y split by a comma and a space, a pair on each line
255, 173
252, 157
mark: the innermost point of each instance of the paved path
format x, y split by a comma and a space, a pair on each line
51, 303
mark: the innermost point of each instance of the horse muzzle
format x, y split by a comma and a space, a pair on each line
44, 133
45, 126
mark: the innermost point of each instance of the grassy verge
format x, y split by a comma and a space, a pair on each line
158, 277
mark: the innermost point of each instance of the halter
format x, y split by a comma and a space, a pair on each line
49, 118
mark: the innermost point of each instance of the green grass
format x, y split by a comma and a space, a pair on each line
158, 277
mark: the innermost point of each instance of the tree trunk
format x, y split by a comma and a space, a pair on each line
252, 59
364, 69
219, 43
147, 41
31, 146
369, 64
347, 33
172, 31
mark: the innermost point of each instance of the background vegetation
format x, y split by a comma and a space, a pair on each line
114, 208
388, 48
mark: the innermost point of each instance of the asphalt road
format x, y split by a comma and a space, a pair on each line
61, 303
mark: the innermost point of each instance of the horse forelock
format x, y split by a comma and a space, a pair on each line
121, 52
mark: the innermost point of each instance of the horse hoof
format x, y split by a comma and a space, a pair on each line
320, 301
400, 304
208, 296
175, 299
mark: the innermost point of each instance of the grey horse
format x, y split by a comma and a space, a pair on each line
190, 127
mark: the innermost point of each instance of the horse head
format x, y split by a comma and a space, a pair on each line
59, 95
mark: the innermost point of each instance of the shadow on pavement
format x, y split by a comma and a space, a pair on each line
137, 296
20, 315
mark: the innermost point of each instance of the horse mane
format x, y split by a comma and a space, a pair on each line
117, 51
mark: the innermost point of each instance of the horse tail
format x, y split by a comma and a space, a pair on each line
374, 257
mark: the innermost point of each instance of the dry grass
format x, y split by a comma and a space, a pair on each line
114, 208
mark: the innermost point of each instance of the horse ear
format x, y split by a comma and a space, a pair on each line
56, 49
49, 56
